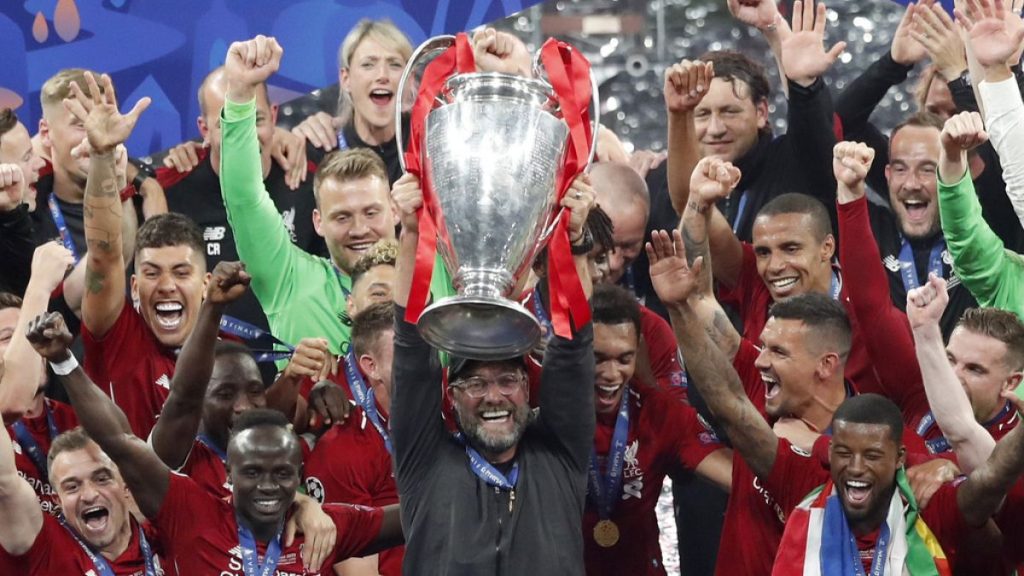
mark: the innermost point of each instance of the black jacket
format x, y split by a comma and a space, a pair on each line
456, 524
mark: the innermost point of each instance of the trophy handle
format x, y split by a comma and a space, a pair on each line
430, 45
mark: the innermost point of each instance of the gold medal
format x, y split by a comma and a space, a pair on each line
606, 534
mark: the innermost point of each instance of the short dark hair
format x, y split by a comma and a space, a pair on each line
75, 439
999, 324
9, 300
795, 203
921, 119
369, 324
601, 228
871, 409
170, 229
825, 316
228, 347
732, 66
611, 304
259, 418
8, 120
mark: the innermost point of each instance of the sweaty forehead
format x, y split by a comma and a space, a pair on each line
264, 443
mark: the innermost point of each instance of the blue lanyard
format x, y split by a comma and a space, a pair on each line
908, 270
605, 489
339, 274
881, 548
243, 329
537, 307
251, 565
25, 439
342, 142
836, 285
365, 397
208, 442
100, 563
740, 210
485, 471
62, 227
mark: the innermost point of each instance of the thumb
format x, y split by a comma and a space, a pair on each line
139, 108
836, 51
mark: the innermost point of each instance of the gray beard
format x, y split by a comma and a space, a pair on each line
491, 443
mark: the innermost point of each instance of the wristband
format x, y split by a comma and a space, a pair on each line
65, 367
127, 193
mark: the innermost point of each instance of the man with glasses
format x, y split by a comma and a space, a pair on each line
494, 497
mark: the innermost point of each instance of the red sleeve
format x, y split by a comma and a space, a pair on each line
46, 554
689, 441
185, 506
122, 335
793, 476
1009, 520
661, 349
740, 295
340, 467
358, 527
168, 177
944, 518
890, 343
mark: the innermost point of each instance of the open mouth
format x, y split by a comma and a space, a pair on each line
496, 416
169, 314
267, 506
917, 210
381, 97
771, 386
857, 492
95, 518
784, 284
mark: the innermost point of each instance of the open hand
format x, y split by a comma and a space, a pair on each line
994, 33
804, 57
105, 126
674, 280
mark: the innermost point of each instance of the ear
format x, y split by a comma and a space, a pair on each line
204, 129
349, 307
1013, 381
888, 172
206, 283
828, 248
901, 457
44, 133
828, 365
317, 223
343, 79
135, 288
761, 109
368, 365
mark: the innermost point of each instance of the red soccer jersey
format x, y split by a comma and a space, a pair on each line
663, 432
64, 418
56, 552
752, 300
350, 464
132, 367
200, 533
205, 467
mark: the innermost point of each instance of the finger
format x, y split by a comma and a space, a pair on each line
93, 87
820, 20
836, 50
1011, 397
192, 154
289, 532
324, 132
76, 108
139, 108
677, 244
963, 19
798, 15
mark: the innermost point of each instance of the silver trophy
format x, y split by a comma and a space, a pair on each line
493, 152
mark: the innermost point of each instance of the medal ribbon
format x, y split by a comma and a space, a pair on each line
25, 439
364, 396
208, 442
569, 74
834, 512
251, 565
605, 489
62, 227
740, 210
537, 307
908, 270
103, 567
485, 471
247, 331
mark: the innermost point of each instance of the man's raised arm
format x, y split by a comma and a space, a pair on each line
106, 128
982, 494
676, 284
179, 420
147, 477
946, 396
23, 518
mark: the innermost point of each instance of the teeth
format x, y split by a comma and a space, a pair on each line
784, 282
767, 379
494, 414
856, 484
361, 246
169, 307
169, 323
380, 92
608, 389
267, 505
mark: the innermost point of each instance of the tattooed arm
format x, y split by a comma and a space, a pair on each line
106, 129
711, 179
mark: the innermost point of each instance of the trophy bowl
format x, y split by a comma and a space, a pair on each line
493, 152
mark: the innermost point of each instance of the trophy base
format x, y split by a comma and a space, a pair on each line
479, 328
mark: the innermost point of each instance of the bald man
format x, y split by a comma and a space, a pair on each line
622, 193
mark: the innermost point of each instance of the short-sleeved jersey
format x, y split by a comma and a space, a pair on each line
200, 533
204, 466
64, 418
55, 552
664, 434
132, 367
756, 515
350, 464
751, 299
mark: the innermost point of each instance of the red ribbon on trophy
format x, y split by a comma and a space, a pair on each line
569, 75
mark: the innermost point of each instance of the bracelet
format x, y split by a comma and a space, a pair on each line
65, 367
774, 25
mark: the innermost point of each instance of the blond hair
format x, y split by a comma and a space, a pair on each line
58, 87
346, 165
383, 32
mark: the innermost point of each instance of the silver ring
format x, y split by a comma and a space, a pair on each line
579, 195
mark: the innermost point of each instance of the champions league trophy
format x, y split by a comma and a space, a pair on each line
492, 151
